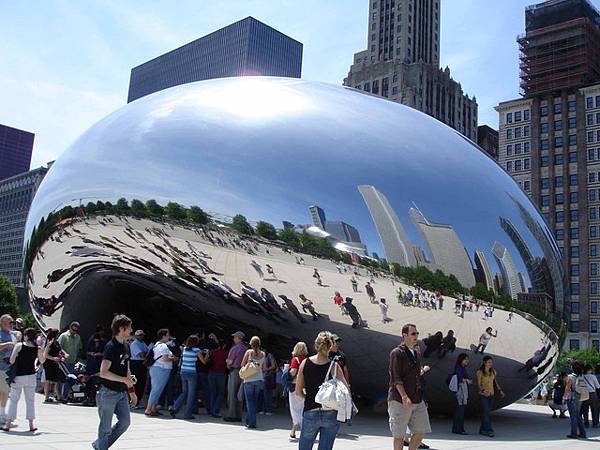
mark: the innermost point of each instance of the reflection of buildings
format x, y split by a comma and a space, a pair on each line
510, 277
318, 216
339, 230
445, 247
16, 195
396, 244
246, 47
483, 274
15, 151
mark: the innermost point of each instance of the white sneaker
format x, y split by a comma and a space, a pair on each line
268, 414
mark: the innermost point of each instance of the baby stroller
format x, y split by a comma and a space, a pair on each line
82, 386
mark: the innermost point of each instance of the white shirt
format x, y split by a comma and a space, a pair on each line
591, 382
485, 338
384, 310
161, 349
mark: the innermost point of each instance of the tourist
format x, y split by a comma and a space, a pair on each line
234, 363
189, 378
354, 284
253, 384
463, 380
70, 341
591, 403
8, 339
307, 305
370, 292
575, 393
206, 344
291, 307
448, 344
336, 354
116, 389
383, 307
510, 316
257, 267
488, 387
353, 313
52, 371
139, 350
160, 371
311, 374
217, 373
557, 403
432, 343
94, 352
299, 354
485, 338
406, 403
269, 385
23, 358
339, 301
317, 275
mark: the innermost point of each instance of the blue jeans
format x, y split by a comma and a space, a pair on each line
66, 386
188, 394
252, 392
319, 422
575, 417
459, 419
216, 389
266, 400
487, 403
111, 402
203, 386
159, 377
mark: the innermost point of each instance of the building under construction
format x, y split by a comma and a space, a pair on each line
561, 46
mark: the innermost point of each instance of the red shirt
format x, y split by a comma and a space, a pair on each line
295, 364
218, 358
338, 299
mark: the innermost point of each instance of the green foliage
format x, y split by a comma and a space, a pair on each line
154, 209
8, 297
91, 208
290, 237
241, 225
426, 279
122, 207
587, 356
100, 207
29, 321
197, 215
175, 211
138, 209
481, 291
345, 258
109, 208
266, 230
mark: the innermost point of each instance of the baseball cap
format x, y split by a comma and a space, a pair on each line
239, 334
74, 324
19, 320
336, 338
139, 333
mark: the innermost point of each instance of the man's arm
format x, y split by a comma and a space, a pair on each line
108, 375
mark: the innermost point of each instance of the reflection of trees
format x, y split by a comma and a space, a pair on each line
241, 225
266, 230
426, 279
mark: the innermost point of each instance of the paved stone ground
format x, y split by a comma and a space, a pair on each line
73, 427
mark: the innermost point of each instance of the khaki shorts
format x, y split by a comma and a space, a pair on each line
4, 387
416, 418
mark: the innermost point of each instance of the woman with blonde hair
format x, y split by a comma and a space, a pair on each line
311, 375
299, 353
253, 384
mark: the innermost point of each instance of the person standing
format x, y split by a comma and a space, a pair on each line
591, 403
339, 300
216, 378
311, 374
463, 381
8, 339
370, 292
383, 306
70, 341
94, 352
485, 338
139, 350
574, 395
406, 405
23, 357
488, 385
299, 354
336, 354
354, 284
307, 305
269, 384
234, 364
189, 378
253, 385
52, 371
116, 385
160, 371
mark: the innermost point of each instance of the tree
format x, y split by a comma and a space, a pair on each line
587, 356
138, 209
91, 208
154, 209
100, 206
241, 225
290, 237
8, 297
198, 216
175, 211
266, 230
122, 207
109, 208
481, 292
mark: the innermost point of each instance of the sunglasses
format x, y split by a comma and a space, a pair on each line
416, 333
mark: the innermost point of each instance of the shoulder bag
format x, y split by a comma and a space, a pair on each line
332, 394
249, 370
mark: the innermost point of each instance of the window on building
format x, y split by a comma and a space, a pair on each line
527, 184
574, 197
509, 166
593, 269
593, 326
543, 111
594, 307
525, 147
574, 213
544, 183
560, 234
590, 137
574, 273
559, 181
544, 128
574, 233
597, 101
517, 116
592, 195
526, 131
574, 343
594, 288
572, 104
572, 157
593, 231
574, 306
598, 118
518, 165
558, 141
589, 102
559, 216
591, 154
526, 164
526, 114
545, 200
375, 87
590, 119
594, 250
546, 216
558, 159
518, 131
572, 139
557, 125
596, 344
544, 161
517, 149
593, 213
573, 180
574, 251
572, 123
509, 150
544, 145
509, 133
574, 288
559, 199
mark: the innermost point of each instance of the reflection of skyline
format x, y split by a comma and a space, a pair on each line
483, 272
341, 231
511, 285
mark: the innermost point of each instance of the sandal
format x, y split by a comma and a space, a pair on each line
33, 430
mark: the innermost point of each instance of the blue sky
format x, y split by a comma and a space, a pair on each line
66, 64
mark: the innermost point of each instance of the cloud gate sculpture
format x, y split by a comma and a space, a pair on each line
162, 209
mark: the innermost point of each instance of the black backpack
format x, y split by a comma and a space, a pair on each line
149, 360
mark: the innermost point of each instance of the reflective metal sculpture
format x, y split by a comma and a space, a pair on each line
218, 204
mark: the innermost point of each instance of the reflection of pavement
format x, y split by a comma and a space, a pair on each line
367, 349
518, 427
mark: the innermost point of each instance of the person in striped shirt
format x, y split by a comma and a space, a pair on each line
189, 378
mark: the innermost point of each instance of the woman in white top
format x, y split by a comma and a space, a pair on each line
592, 384
253, 385
160, 370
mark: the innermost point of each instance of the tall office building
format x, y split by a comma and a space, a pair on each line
337, 229
397, 246
402, 63
16, 195
247, 47
15, 151
318, 216
511, 279
549, 141
483, 274
487, 139
446, 249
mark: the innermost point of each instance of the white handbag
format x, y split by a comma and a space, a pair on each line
333, 393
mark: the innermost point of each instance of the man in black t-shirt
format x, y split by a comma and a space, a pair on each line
116, 385
338, 355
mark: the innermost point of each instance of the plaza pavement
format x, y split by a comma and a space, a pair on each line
70, 427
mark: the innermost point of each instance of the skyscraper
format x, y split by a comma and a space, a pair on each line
445, 247
402, 63
487, 139
337, 229
549, 142
511, 284
318, 216
15, 151
246, 47
483, 272
397, 246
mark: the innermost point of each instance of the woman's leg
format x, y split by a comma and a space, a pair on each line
29, 391
47, 386
182, 397
190, 402
328, 429
310, 428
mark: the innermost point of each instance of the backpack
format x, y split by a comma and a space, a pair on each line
580, 389
286, 382
452, 382
149, 360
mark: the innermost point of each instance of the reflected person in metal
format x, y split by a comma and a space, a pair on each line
224, 204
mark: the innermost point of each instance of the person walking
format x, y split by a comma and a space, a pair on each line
189, 378
370, 292
576, 392
23, 357
307, 305
139, 350
336, 354
488, 387
52, 371
299, 354
463, 380
70, 341
116, 385
354, 284
383, 307
339, 300
216, 378
406, 405
315, 419
253, 385
159, 371
317, 275
8, 339
485, 338
591, 404
234, 364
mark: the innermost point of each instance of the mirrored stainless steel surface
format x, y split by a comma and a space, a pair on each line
162, 209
